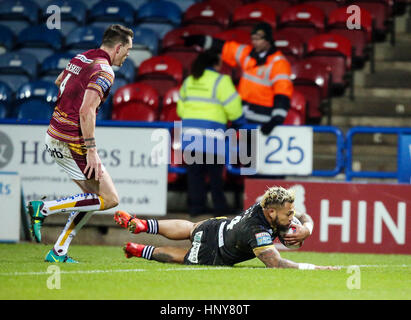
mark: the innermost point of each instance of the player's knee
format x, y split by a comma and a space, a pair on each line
111, 201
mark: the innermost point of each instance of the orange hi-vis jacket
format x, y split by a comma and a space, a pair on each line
259, 83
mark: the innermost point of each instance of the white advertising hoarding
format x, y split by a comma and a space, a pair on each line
126, 153
10, 195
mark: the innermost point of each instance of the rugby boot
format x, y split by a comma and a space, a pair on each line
53, 257
122, 218
137, 225
37, 218
133, 250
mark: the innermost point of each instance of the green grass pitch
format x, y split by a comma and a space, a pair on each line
105, 273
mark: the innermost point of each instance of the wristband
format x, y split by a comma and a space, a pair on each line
91, 146
90, 139
306, 266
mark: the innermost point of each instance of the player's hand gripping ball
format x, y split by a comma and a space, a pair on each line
291, 229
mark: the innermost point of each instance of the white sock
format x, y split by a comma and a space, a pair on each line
80, 202
74, 223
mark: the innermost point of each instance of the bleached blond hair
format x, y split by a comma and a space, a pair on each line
276, 197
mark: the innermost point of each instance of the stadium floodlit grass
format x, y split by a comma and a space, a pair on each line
105, 273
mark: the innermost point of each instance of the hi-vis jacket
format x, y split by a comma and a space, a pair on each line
206, 104
259, 83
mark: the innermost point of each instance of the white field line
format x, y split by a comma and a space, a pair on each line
39, 273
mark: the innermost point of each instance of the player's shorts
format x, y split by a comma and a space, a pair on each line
204, 244
71, 157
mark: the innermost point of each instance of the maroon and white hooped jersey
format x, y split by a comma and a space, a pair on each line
89, 70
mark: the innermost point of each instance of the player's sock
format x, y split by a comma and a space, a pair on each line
74, 223
80, 202
138, 250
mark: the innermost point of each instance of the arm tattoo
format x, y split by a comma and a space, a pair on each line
271, 258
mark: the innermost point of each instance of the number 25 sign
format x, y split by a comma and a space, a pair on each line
287, 150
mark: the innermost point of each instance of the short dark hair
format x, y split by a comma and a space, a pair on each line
116, 33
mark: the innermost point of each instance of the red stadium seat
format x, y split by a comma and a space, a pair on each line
304, 19
381, 12
291, 44
169, 110
136, 112
248, 15
211, 15
361, 39
230, 6
238, 35
173, 45
327, 6
312, 79
279, 5
161, 72
134, 94
335, 51
296, 115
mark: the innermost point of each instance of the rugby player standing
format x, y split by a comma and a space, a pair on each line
83, 87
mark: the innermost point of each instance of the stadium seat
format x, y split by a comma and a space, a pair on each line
136, 3
39, 41
173, 45
169, 109
290, 43
230, 6
161, 72
37, 90
6, 39
327, 6
126, 71
34, 110
160, 16
5, 99
104, 13
303, 19
210, 15
84, 38
18, 15
278, 5
380, 11
296, 115
105, 110
335, 51
17, 68
183, 4
361, 39
248, 15
238, 35
73, 14
53, 65
145, 45
313, 80
134, 95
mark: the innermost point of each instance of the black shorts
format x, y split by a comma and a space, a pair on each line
204, 244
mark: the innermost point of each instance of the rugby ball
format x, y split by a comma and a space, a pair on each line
291, 229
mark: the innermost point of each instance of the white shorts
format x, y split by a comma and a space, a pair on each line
71, 157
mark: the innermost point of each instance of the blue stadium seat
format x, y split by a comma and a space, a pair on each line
183, 4
17, 68
104, 112
6, 39
126, 71
53, 65
34, 110
73, 14
145, 44
161, 16
136, 3
5, 99
40, 90
39, 41
104, 13
18, 15
85, 38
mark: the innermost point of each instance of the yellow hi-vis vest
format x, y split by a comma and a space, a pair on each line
212, 98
